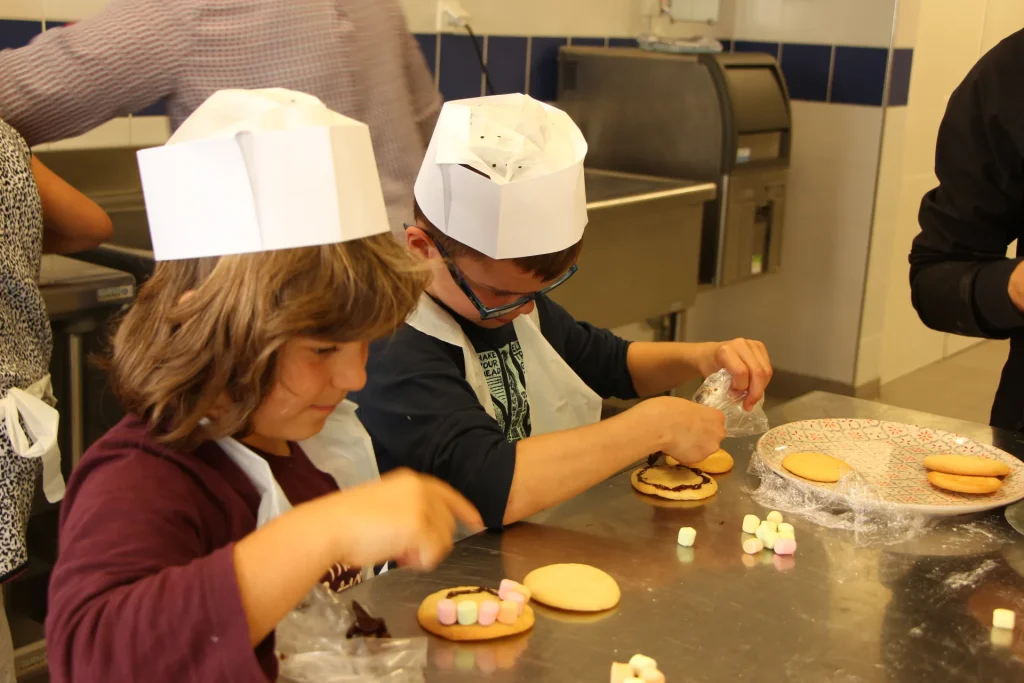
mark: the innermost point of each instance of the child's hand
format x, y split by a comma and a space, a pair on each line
748, 363
692, 432
405, 516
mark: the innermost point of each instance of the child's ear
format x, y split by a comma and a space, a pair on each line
419, 243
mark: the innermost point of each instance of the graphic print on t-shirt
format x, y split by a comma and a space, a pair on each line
506, 378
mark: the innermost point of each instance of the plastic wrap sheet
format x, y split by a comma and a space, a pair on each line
851, 504
313, 648
717, 392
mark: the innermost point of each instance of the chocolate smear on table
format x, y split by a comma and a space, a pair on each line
366, 625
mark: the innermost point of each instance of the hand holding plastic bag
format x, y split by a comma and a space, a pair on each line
313, 647
717, 392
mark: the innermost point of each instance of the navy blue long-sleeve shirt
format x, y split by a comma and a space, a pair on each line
421, 412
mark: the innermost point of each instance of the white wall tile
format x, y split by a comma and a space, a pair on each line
908, 12
865, 22
71, 10
908, 344
760, 20
837, 22
835, 133
149, 131
420, 15
22, 9
116, 133
881, 253
1002, 18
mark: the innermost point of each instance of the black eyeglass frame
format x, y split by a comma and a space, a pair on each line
498, 311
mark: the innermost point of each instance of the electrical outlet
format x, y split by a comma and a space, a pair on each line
451, 16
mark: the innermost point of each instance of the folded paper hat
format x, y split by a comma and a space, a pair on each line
525, 195
258, 170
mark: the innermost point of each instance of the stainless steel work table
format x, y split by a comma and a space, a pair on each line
918, 611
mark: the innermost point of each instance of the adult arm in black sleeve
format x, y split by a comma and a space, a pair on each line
959, 272
422, 414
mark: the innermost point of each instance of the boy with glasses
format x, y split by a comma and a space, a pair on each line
492, 386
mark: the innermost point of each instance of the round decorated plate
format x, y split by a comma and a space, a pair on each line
890, 456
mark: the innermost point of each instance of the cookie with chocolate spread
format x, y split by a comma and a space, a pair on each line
427, 616
674, 482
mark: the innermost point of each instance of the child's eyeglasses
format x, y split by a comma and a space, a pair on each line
485, 312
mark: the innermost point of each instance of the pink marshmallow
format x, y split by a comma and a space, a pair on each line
447, 612
785, 546
488, 612
519, 599
652, 676
508, 613
508, 586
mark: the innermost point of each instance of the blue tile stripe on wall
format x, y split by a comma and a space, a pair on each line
17, 33
856, 74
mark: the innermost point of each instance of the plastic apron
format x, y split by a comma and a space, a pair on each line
31, 424
342, 449
557, 397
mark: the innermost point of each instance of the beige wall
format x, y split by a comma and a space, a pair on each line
948, 37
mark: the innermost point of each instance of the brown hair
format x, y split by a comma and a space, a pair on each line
545, 266
174, 355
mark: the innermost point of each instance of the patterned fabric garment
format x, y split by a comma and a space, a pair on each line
505, 373
357, 56
25, 339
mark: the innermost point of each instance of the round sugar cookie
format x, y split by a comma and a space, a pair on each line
427, 616
964, 484
815, 467
967, 465
718, 462
573, 587
674, 483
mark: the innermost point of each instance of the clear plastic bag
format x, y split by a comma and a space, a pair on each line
851, 504
313, 647
717, 392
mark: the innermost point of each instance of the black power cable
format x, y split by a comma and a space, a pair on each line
480, 56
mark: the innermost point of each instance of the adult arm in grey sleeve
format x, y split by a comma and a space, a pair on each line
69, 80
959, 272
426, 100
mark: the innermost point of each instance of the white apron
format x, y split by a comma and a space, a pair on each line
342, 449
557, 397
38, 439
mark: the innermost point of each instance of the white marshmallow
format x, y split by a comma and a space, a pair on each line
775, 516
686, 537
1004, 619
785, 527
750, 524
1000, 637
753, 546
641, 662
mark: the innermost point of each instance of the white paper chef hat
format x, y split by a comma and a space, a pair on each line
530, 199
257, 170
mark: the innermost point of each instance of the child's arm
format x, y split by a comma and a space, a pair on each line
138, 592
657, 367
405, 516
555, 467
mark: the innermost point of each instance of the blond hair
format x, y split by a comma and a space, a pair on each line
203, 329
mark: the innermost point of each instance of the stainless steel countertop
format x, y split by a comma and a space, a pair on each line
919, 611
70, 286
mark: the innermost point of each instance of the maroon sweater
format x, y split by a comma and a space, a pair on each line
144, 588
